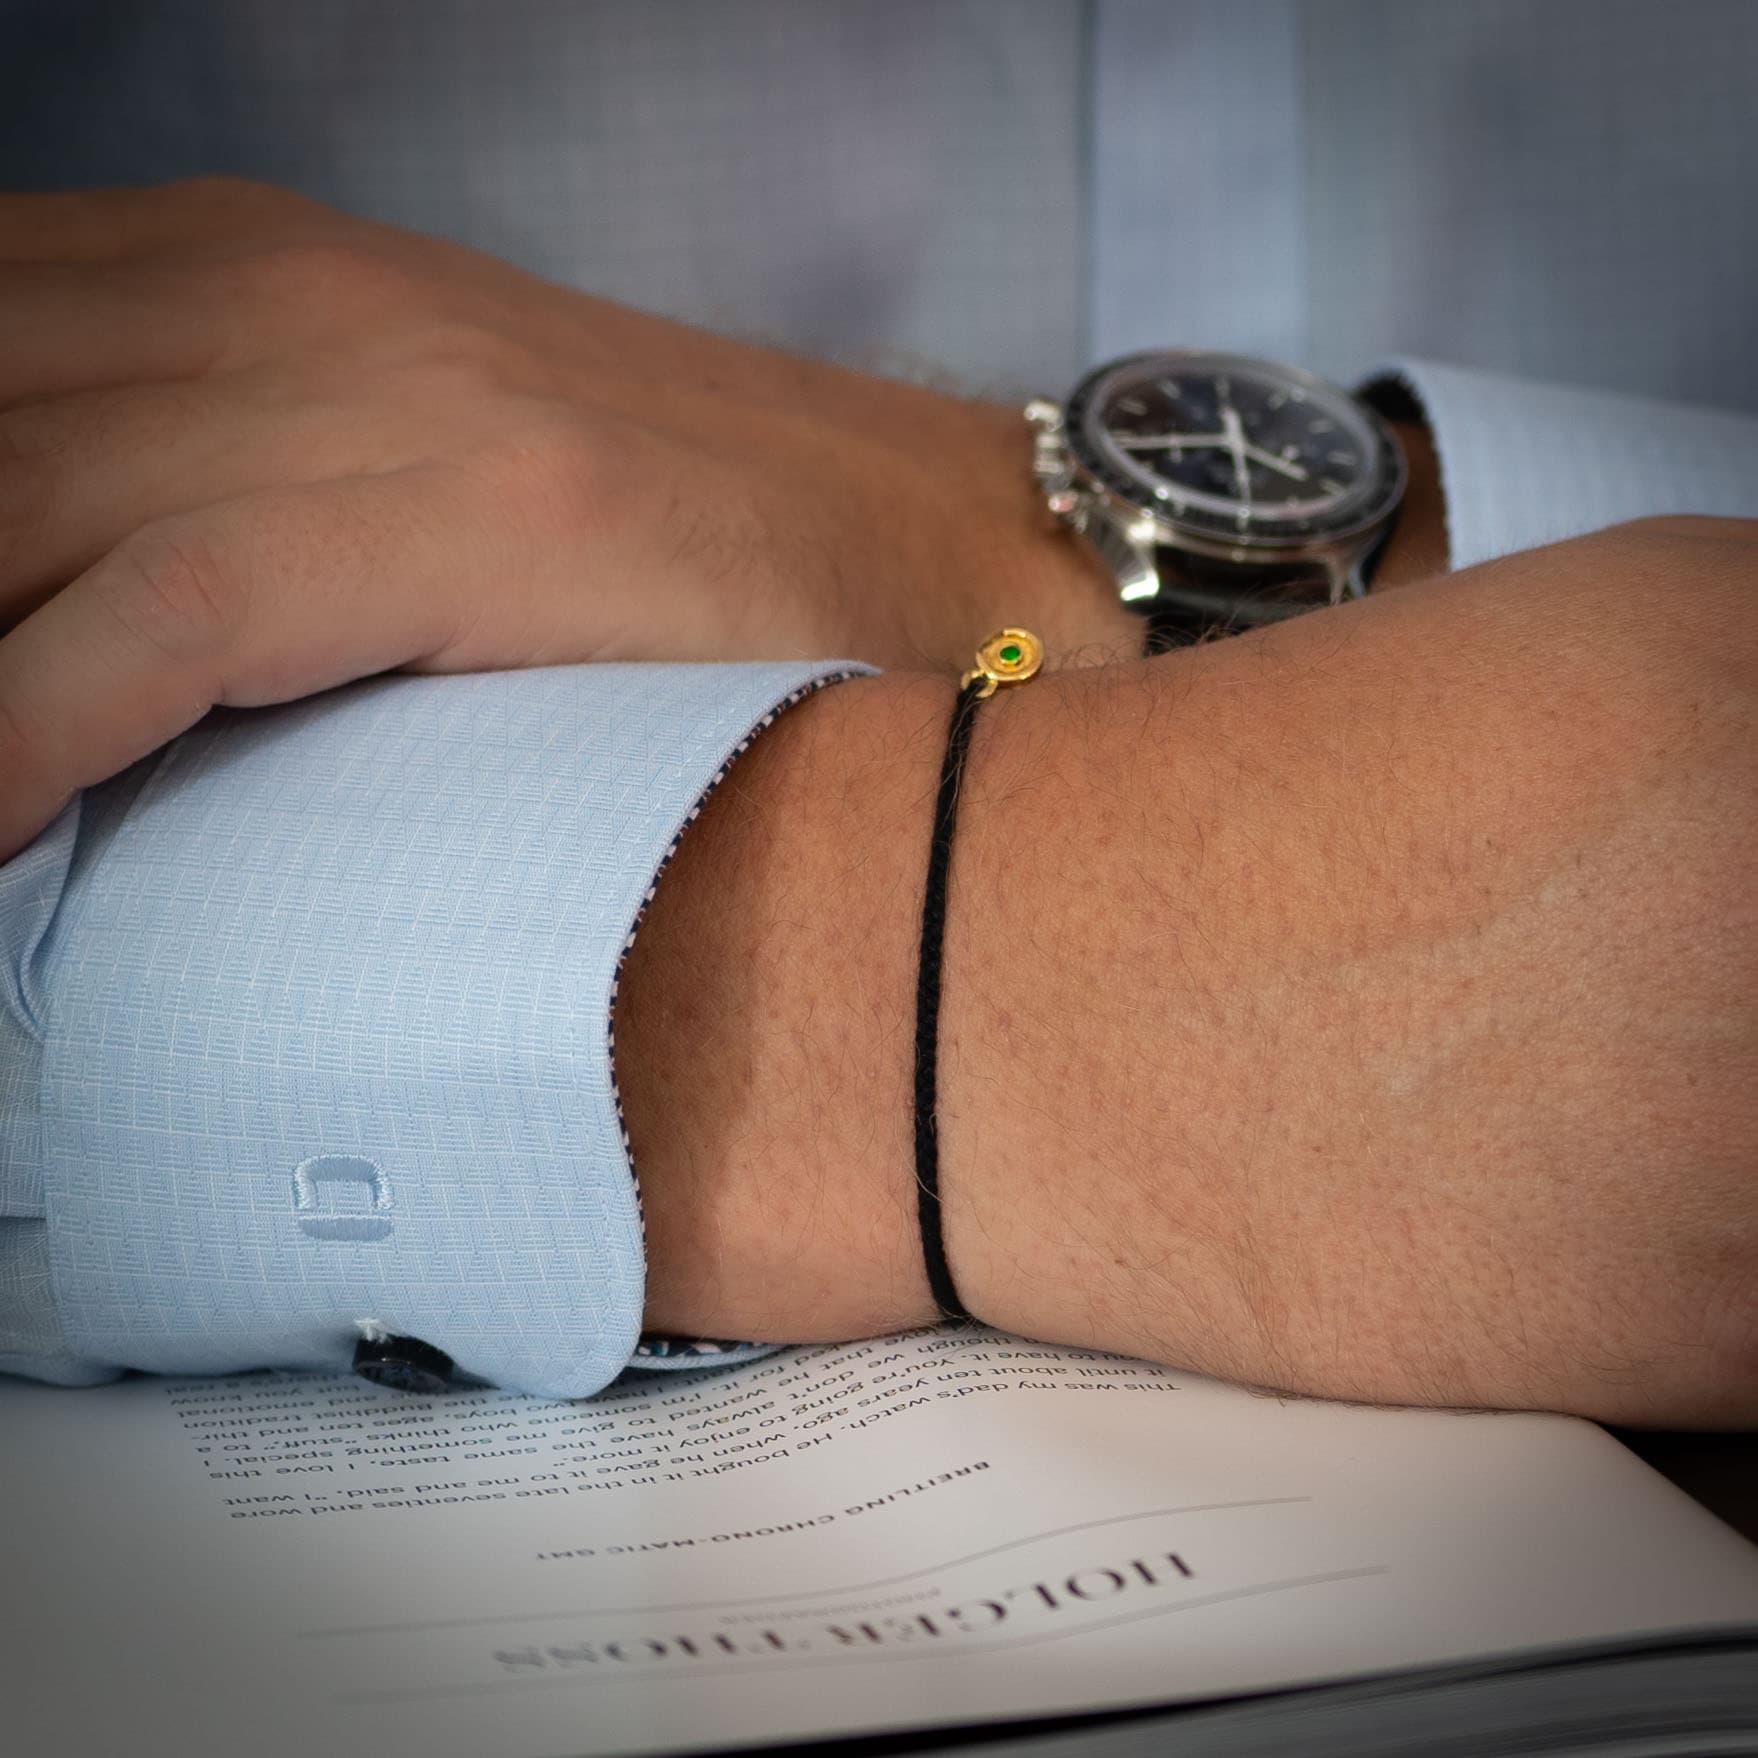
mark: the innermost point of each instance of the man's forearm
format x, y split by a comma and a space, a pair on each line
1265, 1049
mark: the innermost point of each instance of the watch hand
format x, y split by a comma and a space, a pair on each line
1271, 461
1235, 435
1154, 442
1157, 442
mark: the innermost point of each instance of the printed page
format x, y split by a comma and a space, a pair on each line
926, 1530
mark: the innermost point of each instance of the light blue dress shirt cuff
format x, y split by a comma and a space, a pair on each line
1524, 463
306, 1027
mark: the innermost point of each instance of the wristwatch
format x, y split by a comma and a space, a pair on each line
1223, 492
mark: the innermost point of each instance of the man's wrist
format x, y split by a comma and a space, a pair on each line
1021, 566
764, 1029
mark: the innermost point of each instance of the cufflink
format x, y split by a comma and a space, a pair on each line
404, 1364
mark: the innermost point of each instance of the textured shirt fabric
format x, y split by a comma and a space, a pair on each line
1525, 464
1009, 189
305, 1028
1558, 191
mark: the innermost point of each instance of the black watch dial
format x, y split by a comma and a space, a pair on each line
1235, 451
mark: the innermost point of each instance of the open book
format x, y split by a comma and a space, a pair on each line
911, 1537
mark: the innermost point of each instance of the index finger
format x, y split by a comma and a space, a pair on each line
261, 599
80, 701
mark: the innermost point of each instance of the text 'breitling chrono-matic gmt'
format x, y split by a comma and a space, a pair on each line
1223, 492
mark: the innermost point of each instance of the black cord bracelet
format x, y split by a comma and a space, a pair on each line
1009, 657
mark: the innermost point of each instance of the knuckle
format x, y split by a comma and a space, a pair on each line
170, 591
557, 473
331, 277
214, 190
218, 207
444, 363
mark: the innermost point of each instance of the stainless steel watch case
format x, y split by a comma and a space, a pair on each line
1130, 529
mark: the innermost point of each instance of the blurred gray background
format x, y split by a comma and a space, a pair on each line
1005, 188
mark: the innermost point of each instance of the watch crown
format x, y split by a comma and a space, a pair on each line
1063, 502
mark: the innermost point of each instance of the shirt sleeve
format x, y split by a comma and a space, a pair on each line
1525, 463
305, 1029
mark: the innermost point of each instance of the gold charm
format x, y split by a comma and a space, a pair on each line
1009, 656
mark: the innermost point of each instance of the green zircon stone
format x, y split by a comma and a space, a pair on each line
1011, 654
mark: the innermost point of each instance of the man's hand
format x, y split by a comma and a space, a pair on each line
251, 448
1364, 1006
